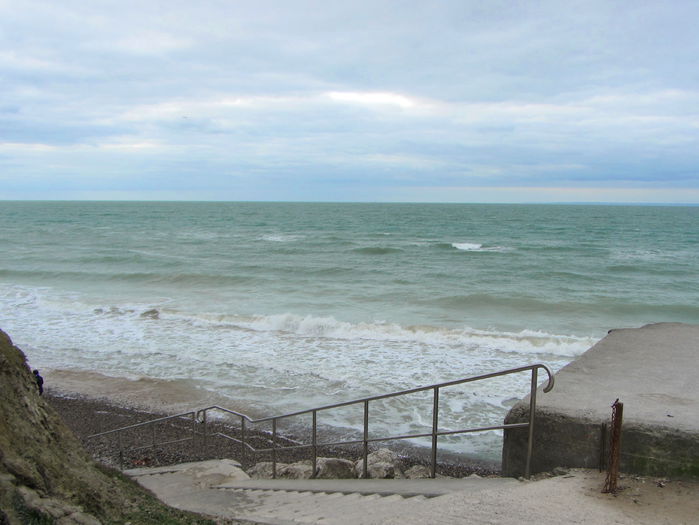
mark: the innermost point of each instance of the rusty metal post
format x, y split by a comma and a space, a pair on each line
610, 484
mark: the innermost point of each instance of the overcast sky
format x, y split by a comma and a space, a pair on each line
446, 101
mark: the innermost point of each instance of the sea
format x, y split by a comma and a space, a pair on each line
271, 308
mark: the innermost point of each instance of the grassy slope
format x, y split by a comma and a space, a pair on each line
44, 471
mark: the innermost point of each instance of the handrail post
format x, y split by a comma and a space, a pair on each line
274, 448
154, 441
532, 408
435, 427
365, 467
315, 443
242, 438
194, 432
121, 452
205, 431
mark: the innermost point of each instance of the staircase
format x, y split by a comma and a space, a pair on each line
218, 488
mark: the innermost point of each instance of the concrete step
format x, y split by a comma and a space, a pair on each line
220, 488
214, 488
281, 507
385, 487
338, 502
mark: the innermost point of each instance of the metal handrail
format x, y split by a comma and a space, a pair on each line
201, 417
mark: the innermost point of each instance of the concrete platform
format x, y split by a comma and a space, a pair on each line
654, 372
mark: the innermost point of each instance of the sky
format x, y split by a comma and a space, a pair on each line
389, 101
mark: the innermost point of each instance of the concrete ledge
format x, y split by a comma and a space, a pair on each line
653, 370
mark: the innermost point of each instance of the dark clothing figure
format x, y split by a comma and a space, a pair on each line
39, 381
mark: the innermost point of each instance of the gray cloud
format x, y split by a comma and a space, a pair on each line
334, 100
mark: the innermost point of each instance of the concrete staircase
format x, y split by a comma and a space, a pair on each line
220, 488
276, 507
284, 502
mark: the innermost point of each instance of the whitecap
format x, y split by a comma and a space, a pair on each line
467, 246
476, 247
280, 237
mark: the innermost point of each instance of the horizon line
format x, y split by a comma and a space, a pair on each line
525, 203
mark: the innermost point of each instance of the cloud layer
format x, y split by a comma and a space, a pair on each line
391, 101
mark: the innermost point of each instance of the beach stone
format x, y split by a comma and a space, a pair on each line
263, 470
215, 472
418, 472
298, 470
381, 464
383, 455
382, 471
335, 468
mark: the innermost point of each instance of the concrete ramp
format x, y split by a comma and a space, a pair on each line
654, 372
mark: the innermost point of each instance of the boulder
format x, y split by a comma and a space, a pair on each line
335, 468
214, 472
382, 464
418, 472
298, 470
263, 470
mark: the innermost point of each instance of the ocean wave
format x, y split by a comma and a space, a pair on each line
472, 247
467, 246
280, 237
526, 341
72, 310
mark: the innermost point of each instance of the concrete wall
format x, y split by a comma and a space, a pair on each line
562, 440
653, 370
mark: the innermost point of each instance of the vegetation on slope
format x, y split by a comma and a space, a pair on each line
46, 475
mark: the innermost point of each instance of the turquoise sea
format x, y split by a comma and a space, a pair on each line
275, 307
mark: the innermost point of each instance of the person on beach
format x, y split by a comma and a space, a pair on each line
39, 381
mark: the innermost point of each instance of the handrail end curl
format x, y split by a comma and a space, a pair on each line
551, 381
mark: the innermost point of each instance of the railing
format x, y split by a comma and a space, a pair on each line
152, 423
200, 418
